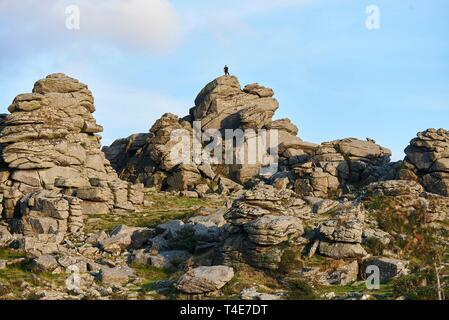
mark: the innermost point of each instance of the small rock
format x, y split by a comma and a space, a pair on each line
5, 236
44, 263
116, 276
205, 279
253, 294
189, 194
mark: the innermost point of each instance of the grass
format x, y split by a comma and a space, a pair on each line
420, 243
165, 207
150, 276
247, 278
13, 276
135, 219
298, 289
9, 254
167, 202
359, 288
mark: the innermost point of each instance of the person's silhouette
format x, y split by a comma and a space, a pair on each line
226, 71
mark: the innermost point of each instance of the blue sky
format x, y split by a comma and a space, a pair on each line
332, 76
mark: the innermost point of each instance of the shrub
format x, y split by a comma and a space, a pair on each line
300, 290
374, 246
417, 286
185, 239
290, 261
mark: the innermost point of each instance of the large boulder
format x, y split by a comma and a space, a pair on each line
341, 250
205, 279
223, 105
5, 236
48, 212
117, 276
427, 160
346, 224
263, 224
273, 230
123, 237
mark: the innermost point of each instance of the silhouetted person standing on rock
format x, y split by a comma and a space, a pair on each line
226, 71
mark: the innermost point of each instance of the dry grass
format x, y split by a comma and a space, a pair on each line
165, 207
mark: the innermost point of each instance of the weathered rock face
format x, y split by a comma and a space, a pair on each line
221, 105
205, 279
338, 164
345, 226
342, 234
121, 151
48, 212
427, 161
50, 142
341, 250
262, 223
272, 230
408, 197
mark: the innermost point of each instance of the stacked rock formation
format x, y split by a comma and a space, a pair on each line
338, 164
342, 234
261, 224
427, 161
409, 198
48, 212
221, 105
50, 142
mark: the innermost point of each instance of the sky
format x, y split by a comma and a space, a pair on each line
332, 76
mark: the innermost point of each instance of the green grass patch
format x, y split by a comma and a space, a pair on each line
135, 219
165, 208
15, 275
151, 274
10, 254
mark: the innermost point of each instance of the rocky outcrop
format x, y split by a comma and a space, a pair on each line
272, 230
221, 105
53, 169
262, 222
427, 161
48, 212
342, 234
409, 199
122, 151
339, 164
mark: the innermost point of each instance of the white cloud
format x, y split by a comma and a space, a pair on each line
152, 25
